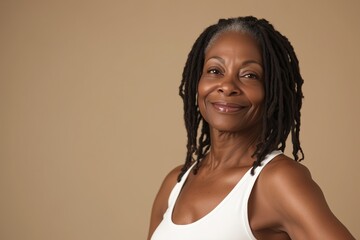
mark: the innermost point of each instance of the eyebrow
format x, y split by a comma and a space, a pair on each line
247, 62
218, 58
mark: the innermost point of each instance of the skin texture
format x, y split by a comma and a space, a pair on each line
285, 202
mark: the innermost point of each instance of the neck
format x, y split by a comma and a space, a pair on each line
229, 149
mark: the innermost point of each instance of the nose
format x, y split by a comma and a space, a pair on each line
229, 87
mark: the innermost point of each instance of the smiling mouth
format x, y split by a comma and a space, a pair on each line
227, 107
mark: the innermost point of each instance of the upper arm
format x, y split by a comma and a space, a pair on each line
161, 200
300, 204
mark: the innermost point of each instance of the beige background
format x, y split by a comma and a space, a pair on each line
90, 120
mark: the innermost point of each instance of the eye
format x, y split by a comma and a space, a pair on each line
214, 71
250, 75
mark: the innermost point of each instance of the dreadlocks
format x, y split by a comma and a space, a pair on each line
283, 94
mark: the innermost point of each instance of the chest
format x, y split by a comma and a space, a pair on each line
201, 195
228, 198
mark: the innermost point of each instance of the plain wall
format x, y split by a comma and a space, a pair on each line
91, 121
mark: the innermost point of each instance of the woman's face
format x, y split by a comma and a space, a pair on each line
231, 89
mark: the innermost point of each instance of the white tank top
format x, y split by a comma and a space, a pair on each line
227, 221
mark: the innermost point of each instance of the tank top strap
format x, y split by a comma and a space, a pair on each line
178, 186
247, 189
267, 159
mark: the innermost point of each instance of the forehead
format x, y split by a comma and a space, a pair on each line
238, 43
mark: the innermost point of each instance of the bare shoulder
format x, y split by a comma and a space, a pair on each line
161, 200
298, 202
284, 172
170, 181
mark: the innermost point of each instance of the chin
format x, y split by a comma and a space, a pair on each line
231, 128
235, 127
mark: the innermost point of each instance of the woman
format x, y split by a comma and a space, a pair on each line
241, 89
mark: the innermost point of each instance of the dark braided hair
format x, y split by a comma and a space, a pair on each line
282, 83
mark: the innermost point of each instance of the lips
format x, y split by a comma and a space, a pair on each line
225, 107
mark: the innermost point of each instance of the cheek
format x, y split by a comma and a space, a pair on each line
201, 100
257, 95
202, 92
260, 98
204, 87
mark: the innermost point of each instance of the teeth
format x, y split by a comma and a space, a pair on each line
222, 109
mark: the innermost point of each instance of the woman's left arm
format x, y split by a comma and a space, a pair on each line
300, 204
